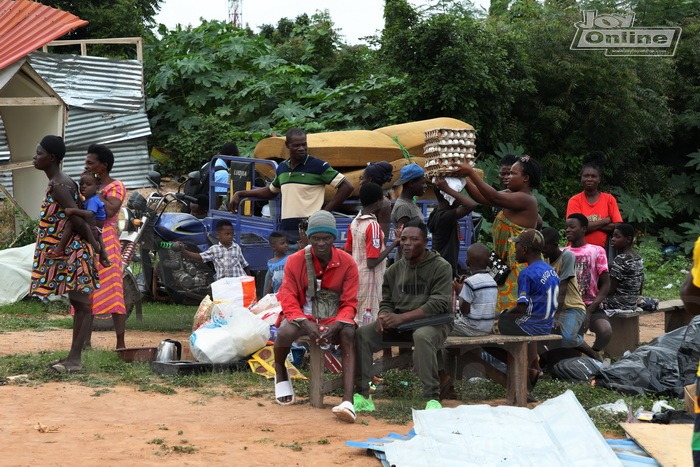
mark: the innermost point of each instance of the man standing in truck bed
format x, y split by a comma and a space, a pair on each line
302, 180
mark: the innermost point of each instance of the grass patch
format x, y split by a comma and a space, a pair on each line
185, 449
32, 314
662, 271
479, 389
293, 446
163, 317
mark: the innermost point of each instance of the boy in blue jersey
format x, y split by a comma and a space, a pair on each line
538, 291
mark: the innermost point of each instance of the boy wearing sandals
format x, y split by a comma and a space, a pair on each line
331, 319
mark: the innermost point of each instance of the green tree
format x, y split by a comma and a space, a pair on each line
214, 83
116, 18
451, 64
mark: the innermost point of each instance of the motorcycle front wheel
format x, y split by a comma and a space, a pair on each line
132, 299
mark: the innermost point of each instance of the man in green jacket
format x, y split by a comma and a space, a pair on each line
419, 285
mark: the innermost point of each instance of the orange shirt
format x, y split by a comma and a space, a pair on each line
605, 206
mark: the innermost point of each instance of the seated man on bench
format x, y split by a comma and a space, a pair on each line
319, 299
417, 286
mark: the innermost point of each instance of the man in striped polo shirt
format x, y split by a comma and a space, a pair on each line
302, 180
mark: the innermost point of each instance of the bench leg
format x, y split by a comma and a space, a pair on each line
676, 318
516, 386
625, 335
316, 377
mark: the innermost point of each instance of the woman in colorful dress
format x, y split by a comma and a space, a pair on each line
73, 274
519, 212
109, 299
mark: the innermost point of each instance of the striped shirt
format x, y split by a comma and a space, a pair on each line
481, 292
303, 188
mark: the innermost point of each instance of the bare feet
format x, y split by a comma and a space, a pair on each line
53, 253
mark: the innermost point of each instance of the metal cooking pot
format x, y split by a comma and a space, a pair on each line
169, 350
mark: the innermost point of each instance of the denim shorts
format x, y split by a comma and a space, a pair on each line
569, 322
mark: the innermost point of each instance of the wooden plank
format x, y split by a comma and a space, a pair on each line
137, 41
16, 165
25, 101
113, 40
497, 339
669, 445
668, 305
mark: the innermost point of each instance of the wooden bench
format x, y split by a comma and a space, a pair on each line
625, 326
462, 349
467, 350
675, 314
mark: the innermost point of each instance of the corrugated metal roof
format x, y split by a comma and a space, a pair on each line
94, 83
26, 26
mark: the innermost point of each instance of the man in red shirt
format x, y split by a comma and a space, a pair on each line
337, 279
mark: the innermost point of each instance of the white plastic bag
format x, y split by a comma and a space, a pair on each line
268, 309
240, 334
237, 290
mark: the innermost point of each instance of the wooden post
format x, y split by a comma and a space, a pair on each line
516, 388
625, 334
316, 379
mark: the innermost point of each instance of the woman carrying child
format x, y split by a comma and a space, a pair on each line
75, 274
92, 211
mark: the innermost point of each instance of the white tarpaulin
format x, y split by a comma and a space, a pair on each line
558, 432
16, 267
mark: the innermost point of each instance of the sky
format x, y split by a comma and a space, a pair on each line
355, 18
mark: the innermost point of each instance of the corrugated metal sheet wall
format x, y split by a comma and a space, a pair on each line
106, 105
5, 177
93, 83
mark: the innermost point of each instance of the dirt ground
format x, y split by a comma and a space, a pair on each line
65, 424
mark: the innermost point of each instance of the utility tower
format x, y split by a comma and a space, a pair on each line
235, 12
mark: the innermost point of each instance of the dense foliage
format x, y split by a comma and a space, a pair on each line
116, 18
510, 73
211, 84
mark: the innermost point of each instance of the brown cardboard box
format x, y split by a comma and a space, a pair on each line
187, 352
689, 391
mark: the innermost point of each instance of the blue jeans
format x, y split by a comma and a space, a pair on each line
569, 322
